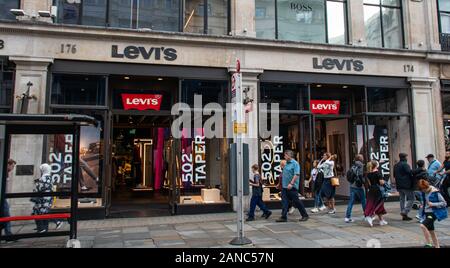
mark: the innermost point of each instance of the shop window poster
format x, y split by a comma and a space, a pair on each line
60, 159
193, 157
447, 136
378, 145
271, 156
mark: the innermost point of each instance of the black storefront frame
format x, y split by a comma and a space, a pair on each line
353, 80
130, 69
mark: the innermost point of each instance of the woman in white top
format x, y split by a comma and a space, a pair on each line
326, 165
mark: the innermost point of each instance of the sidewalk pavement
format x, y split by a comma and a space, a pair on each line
217, 230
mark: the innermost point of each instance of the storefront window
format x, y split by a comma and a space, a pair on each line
218, 17
447, 134
6, 6
288, 96
159, 15
6, 84
193, 16
446, 102
82, 12
265, 19
327, 94
444, 14
305, 20
388, 100
387, 137
120, 14
383, 23
78, 90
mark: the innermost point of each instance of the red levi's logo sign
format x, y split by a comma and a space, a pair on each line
141, 102
325, 106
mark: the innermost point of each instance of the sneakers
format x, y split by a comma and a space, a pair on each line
369, 221
315, 210
333, 211
383, 223
42, 231
406, 218
349, 220
266, 216
304, 219
281, 220
59, 224
322, 208
250, 219
291, 210
428, 246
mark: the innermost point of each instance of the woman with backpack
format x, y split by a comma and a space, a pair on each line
435, 208
375, 199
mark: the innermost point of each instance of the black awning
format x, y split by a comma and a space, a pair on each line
47, 119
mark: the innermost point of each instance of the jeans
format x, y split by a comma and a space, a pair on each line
6, 213
318, 202
418, 195
286, 196
256, 201
406, 201
356, 192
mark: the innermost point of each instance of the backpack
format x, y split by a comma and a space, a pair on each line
351, 174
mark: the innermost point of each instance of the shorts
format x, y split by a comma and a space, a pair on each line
429, 220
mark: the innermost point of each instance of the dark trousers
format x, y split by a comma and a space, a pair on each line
291, 195
257, 201
42, 225
6, 225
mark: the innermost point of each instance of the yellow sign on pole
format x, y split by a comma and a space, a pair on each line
240, 128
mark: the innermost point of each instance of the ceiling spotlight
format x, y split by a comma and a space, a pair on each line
17, 12
344, 87
318, 85
160, 79
126, 78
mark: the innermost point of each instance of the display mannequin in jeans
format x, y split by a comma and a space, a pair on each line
357, 189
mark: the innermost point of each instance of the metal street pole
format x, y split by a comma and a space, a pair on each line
239, 129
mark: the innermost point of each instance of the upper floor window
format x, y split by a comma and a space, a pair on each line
6, 84
158, 15
317, 21
383, 23
444, 15
6, 6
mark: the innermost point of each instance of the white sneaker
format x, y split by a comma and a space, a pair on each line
315, 210
333, 211
59, 224
322, 208
348, 220
383, 223
370, 221
291, 211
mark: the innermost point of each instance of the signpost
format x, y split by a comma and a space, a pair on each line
239, 129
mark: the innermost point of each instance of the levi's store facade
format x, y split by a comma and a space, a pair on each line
134, 166
342, 114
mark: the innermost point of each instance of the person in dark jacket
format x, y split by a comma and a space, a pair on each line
405, 185
419, 173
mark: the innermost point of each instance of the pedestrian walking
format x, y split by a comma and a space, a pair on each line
435, 208
42, 205
290, 185
355, 177
328, 190
6, 210
317, 177
405, 185
419, 173
256, 200
375, 199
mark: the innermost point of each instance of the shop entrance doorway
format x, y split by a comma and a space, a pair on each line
140, 171
332, 135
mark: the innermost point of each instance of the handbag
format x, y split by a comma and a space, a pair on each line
335, 182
